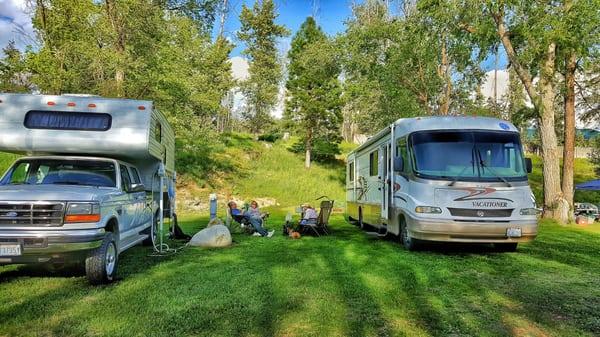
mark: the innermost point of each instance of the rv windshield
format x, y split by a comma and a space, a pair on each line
468, 155
61, 172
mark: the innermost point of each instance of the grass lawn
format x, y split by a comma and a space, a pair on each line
347, 284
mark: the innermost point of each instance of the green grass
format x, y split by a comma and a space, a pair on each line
347, 284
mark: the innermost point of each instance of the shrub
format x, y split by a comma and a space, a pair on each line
322, 151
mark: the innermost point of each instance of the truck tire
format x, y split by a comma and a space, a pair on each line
506, 247
148, 241
408, 242
101, 264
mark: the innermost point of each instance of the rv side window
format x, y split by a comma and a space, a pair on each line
374, 163
157, 131
402, 151
67, 120
125, 179
351, 171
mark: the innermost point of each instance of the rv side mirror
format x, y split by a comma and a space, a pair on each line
398, 164
528, 165
133, 188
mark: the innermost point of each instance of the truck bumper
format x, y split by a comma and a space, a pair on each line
43, 246
465, 231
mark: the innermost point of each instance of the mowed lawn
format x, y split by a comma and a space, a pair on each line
347, 284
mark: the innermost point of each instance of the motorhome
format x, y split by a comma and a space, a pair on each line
448, 179
93, 179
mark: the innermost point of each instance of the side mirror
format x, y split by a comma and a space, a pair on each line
133, 188
528, 165
398, 164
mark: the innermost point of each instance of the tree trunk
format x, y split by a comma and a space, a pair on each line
555, 205
445, 74
308, 146
569, 145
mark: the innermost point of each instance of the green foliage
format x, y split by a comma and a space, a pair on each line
595, 154
270, 137
314, 92
13, 76
321, 150
260, 32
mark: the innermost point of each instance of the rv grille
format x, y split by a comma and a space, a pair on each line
481, 213
35, 214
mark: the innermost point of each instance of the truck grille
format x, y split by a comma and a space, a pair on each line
481, 213
36, 214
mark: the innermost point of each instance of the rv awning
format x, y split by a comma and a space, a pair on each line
592, 185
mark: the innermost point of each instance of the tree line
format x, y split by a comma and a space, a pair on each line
394, 59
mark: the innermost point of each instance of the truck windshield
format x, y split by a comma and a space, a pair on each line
468, 155
61, 172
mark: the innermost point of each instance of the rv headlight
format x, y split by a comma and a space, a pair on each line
528, 211
428, 209
82, 212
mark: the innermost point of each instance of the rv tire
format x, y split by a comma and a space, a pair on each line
361, 223
101, 264
506, 247
406, 240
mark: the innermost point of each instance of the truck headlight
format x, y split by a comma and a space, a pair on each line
428, 209
528, 211
82, 212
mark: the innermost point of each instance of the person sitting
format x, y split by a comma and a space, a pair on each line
254, 211
310, 214
254, 221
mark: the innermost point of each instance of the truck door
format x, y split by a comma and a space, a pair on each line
143, 213
128, 203
384, 170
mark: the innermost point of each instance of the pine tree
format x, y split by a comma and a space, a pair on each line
13, 76
260, 32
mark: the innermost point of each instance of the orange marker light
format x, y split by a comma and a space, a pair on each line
141, 107
71, 104
82, 218
91, 105
51, 103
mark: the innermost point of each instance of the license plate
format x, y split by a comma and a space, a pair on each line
10, 250
513, 232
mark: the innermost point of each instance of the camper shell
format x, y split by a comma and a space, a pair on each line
97, 176
448, 202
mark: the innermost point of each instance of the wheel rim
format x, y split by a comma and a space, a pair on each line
111, 258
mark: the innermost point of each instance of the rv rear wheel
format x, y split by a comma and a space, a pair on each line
407, 241
506, 247
361, 223
101, 264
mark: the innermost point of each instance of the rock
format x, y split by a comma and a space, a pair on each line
214, 222
214, 236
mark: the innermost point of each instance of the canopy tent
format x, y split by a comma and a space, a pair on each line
592, 185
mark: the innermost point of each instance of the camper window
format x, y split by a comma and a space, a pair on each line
67, 120
374, 163
125, 178
351, 172
157, 131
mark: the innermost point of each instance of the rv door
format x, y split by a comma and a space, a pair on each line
384, 177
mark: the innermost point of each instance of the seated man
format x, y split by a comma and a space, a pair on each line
310, 215
254, 221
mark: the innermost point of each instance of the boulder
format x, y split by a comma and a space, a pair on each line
214, 236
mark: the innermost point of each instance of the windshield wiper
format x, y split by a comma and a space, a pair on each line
483, 165
465, 168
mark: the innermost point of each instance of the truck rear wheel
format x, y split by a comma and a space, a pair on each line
101, 264
152, 231
407, 241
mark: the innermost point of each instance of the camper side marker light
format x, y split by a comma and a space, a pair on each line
91, 105
141, 107
71, 104
51, 103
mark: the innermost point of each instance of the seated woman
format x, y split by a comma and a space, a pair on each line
310, 214
254, 211
236, 213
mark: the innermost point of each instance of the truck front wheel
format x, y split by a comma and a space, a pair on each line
407, 241
101, 264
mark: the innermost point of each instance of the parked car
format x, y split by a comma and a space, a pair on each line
92, 184
587, 209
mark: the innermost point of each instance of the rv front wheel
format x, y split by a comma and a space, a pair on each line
506, 247
101, 264
407, 241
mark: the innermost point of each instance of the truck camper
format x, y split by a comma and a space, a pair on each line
97, 177
448, 179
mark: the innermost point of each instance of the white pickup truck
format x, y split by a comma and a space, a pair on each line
92, 184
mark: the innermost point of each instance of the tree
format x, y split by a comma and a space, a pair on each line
314, 91
260, 32
13, 71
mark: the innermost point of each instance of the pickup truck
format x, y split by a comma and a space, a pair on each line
58, 209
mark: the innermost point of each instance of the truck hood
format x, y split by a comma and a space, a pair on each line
51, 192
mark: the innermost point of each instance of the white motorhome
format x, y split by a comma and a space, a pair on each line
449, 179
93, 180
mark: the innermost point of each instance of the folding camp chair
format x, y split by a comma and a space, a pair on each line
245, 222
321, 222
